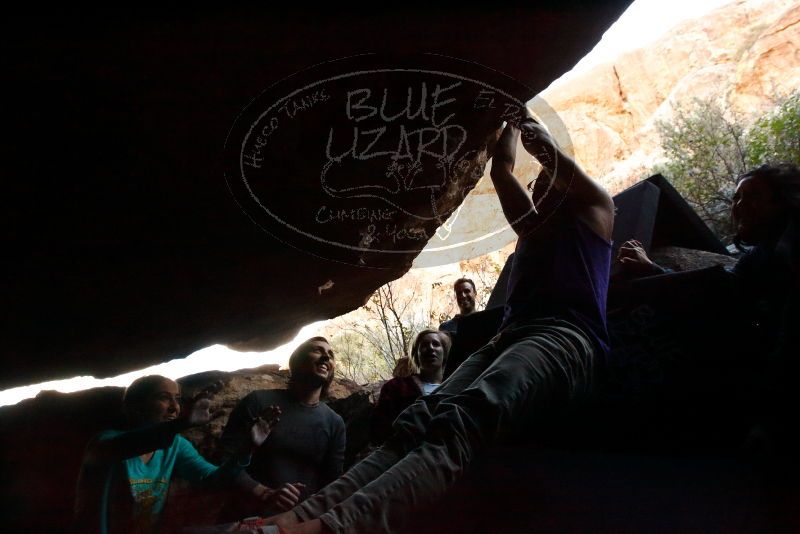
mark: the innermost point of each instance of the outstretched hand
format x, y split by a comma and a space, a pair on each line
198, 410
262, 425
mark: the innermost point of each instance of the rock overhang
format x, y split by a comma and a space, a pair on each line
126, 246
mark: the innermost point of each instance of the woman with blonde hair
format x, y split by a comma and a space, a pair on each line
429, 354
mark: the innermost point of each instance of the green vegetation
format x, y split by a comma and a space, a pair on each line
776, 137
707, 146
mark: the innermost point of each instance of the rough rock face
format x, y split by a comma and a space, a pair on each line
747, 52
123, 244
686, 259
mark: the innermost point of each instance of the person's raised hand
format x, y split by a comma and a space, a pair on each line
263, 424
536, 139
198, 410
505, 149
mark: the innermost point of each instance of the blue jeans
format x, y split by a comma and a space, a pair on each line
524, 371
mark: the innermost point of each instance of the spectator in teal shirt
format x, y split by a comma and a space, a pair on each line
125, 474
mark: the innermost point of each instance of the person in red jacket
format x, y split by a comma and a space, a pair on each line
429, 353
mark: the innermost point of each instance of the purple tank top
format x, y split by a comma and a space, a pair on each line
561, 270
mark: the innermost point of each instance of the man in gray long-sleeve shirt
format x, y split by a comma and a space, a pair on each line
306, 450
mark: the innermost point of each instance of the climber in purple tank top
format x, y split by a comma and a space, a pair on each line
563, 255
553, 333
